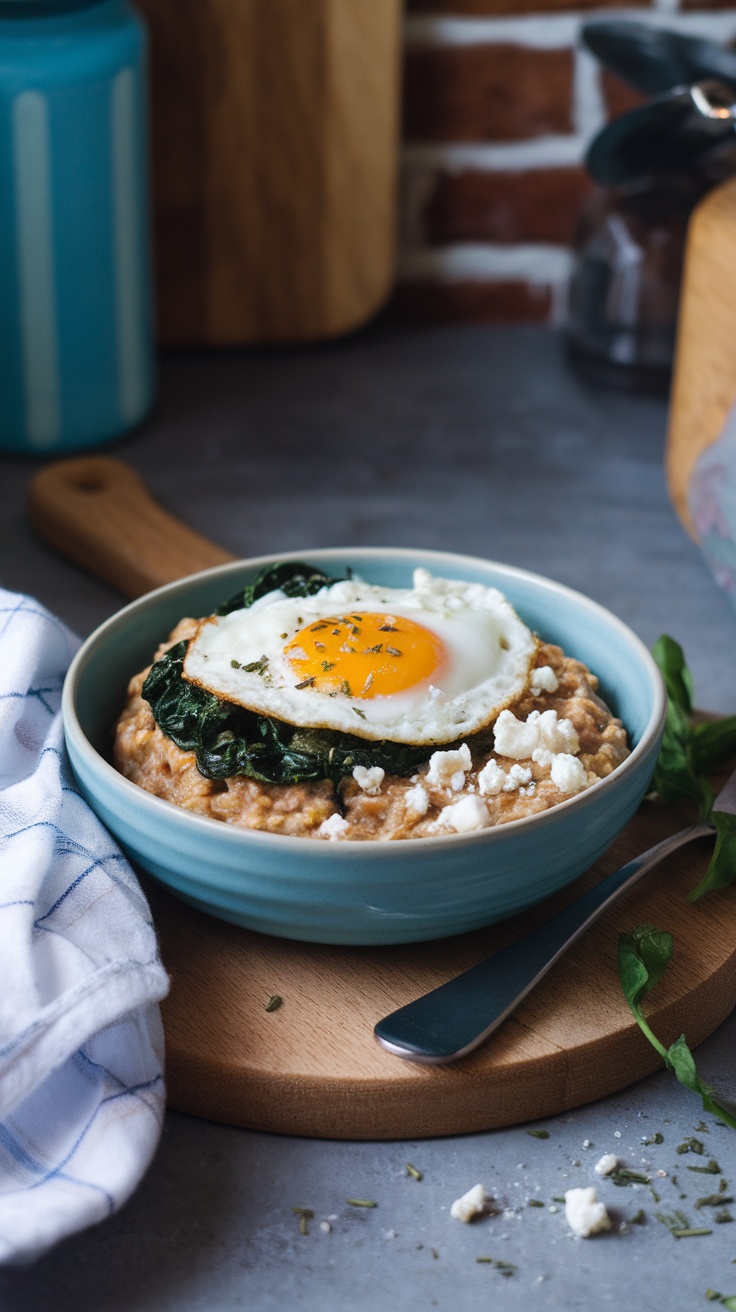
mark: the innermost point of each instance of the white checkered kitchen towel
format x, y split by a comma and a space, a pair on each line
81, 1044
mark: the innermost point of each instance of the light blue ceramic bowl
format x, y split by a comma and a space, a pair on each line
353, 892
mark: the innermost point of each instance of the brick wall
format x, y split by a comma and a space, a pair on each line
500, 101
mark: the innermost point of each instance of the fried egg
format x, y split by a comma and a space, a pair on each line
426, 664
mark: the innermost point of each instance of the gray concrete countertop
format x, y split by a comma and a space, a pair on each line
470, 439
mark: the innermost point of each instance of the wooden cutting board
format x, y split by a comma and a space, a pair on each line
313, 1068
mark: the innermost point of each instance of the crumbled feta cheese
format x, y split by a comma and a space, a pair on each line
555, 734
422, 580
584, 1214
473, 1203
543, 679
568, 773
606, 1164
333, 827
466, 815
491, 778
515, 738
448, 768
417, 800
369, 778
517, 775
542, 731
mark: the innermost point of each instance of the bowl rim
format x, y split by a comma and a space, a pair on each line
231, 835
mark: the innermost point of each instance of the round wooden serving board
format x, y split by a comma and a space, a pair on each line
312, 1067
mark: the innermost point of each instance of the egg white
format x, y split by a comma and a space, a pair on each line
489, 655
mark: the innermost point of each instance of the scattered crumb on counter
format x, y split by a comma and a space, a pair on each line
585, 1215
472, 1204
606, 1164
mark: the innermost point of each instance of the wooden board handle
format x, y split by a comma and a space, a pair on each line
99, 513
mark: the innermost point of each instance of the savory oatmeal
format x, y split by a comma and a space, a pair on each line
543, 734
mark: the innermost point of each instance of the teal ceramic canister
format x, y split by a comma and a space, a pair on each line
76, 331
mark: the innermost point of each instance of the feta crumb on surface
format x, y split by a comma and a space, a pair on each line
369, 778
333, 827
568, 773
448, 768
473, 1203
584, 1214
416, 800
543, 679
491, 778
606, 1164
466, 815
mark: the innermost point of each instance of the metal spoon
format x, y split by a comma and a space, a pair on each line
455, 1018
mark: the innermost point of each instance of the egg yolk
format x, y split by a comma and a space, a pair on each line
364, 655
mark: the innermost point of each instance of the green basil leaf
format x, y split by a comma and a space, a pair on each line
643, 957
681, 1062
676, 776
713, 744
721, 872
678, 680
642, 960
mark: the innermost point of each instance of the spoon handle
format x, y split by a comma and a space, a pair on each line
453, 1019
